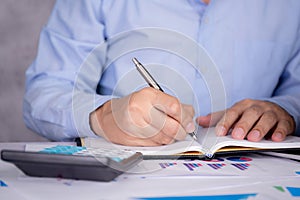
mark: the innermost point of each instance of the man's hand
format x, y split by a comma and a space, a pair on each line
251, 119
148, 117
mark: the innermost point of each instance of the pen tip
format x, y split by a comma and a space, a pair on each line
136, 62
193, 135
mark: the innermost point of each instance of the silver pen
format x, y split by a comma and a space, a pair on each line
152, 83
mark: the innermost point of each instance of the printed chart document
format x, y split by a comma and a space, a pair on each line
207, 145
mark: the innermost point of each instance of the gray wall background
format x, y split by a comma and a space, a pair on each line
20, 24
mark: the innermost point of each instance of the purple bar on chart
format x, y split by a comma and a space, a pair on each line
188, 166
192, 166
241, 166
165, 165
216, 166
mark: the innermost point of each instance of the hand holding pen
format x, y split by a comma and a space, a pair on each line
152, 83
147, 117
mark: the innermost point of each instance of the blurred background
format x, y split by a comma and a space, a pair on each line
20, 24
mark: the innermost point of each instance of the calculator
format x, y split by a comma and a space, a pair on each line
74, 162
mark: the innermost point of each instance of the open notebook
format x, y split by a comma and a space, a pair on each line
207, 145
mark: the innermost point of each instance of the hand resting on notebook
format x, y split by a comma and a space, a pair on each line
251, 119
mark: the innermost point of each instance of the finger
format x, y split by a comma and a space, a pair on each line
283, 129
172, 107
169, 105
174, 130
171, 132
159, 128
229, 118
167, 126
263, 126
187, 118
249, 117
210, 120
149, 122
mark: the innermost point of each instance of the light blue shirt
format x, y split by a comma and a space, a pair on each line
210, 56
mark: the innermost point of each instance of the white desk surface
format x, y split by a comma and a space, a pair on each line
263, 177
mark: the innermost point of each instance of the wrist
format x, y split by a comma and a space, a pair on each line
96, 118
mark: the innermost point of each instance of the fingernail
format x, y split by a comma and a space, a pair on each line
190, 127
278, 135
255, 134
238, 133
221, 130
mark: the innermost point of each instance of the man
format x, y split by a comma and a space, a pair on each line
254, 45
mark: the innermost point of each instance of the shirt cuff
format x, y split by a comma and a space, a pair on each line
83, 106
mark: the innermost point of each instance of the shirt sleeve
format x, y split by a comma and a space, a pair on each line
60, 95
287, 93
